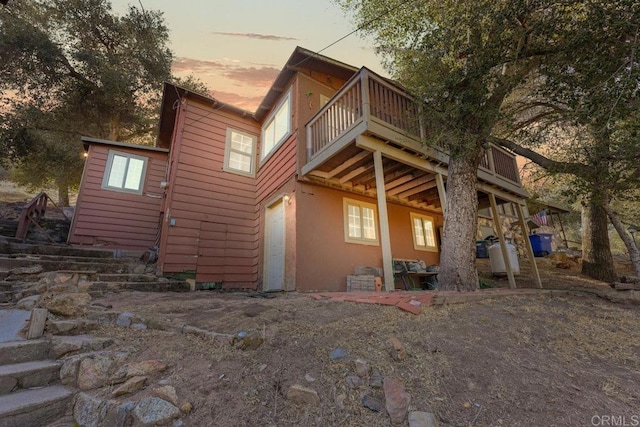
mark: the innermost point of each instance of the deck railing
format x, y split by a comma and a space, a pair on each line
372, 99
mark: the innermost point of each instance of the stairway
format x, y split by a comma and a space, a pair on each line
101, 271
30, 393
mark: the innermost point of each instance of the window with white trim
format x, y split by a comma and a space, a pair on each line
277, 127
360, 222
124, 172
424, 233
239, 152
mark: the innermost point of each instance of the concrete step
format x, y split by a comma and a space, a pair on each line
47, 249
23, 351
98, 289
28, 374
48, 265
33, 408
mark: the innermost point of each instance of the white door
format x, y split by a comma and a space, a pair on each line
274, 247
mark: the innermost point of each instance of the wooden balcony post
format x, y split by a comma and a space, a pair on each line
442, 194
309, 145
527, 245
385, 235
503, 243
366, 98
492, 163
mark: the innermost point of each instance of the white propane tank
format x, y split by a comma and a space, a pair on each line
497, 261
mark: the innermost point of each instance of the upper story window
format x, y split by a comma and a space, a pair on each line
360, 222
424, 233
124, 172
277, 127
239, 152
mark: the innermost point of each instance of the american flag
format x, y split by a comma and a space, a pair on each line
540, 218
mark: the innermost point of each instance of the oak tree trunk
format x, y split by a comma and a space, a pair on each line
63, 193
597, 261
629, 242
457, 259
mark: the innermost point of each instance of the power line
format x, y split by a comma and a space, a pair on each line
362, 26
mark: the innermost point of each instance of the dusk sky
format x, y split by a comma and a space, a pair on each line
238, 47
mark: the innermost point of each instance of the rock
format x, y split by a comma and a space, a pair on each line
186, 407
88, 411
69, 371
339, 354
362, 368
262, 367
372, 403
340, 398
375, 381
395, 349
34, 269
247, 340
66, 305
167, 393
125, 319
119, 414
155, 411
94, 372
354, 381
301, 394
132, 385
397, 400
422, 419
133, 369
28, 303
139, 326
309, 378
62, 345
57, 327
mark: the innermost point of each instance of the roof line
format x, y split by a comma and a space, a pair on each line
86, 140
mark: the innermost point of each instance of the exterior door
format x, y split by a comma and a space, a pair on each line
274, 247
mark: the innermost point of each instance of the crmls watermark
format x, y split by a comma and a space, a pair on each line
615, 420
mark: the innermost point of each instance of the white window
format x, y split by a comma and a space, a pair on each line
360, 222
424, 234
239, 152
277, 127
124, 172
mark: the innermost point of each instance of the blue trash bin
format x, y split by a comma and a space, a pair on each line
541, 244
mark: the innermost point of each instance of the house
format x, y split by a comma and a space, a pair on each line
327, 174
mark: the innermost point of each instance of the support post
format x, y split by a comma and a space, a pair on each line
441, 193
385, 235
503, 243
527, 246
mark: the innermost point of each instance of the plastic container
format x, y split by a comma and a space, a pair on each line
482, 248
541, 244
498, 266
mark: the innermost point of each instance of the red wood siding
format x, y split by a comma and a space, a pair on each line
215, 213
113, 219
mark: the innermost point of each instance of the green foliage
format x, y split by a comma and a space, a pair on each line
72, 68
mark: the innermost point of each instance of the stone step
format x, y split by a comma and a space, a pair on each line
125, 277
97, 289
45, 249
23, 351
6, 296
37, 407
48, 265
28, 374
65, 258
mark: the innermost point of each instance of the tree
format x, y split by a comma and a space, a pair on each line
71, 68
465, 59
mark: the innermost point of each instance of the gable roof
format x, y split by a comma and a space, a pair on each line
300, 60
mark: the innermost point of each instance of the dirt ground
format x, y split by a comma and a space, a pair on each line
516, 361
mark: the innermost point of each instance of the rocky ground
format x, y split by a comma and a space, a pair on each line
516, 361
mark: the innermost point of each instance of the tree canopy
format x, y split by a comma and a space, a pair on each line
468, 60
71, 68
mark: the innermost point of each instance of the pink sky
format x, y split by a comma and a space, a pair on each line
238, 47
